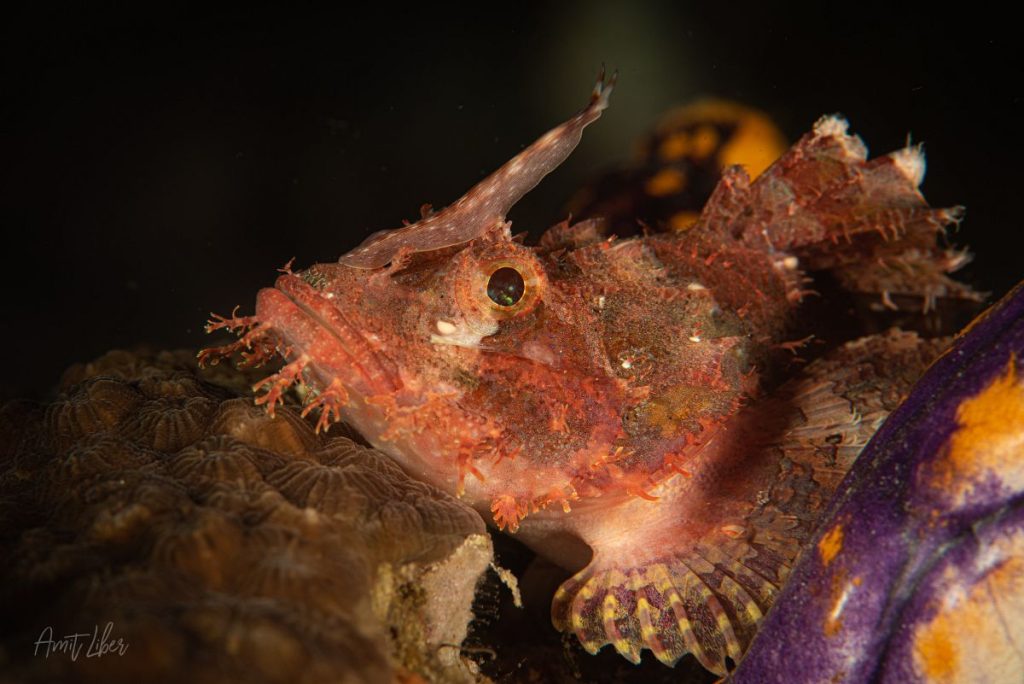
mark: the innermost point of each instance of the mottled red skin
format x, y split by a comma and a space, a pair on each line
614, 410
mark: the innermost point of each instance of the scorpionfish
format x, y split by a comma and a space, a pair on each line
618, 404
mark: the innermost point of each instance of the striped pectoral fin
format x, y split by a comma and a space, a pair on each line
688, 600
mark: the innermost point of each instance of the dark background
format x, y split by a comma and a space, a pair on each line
160, 165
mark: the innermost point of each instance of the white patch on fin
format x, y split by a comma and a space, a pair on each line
834, 126
831, 125
910, 161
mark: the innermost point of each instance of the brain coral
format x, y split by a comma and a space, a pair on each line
219, 544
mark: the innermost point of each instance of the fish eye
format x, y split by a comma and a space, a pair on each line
506, 286
500, 283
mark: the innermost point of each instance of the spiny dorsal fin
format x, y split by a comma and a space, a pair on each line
490, 200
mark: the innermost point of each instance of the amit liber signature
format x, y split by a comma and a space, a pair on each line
99, 645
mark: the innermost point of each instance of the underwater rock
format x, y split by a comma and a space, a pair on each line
176, 532
917, 574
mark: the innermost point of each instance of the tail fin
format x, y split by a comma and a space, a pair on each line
865, 220
674, 591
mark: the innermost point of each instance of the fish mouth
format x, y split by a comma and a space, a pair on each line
310, 324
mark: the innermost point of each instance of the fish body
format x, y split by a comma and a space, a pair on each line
616, 403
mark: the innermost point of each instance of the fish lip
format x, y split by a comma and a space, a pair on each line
371, 367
